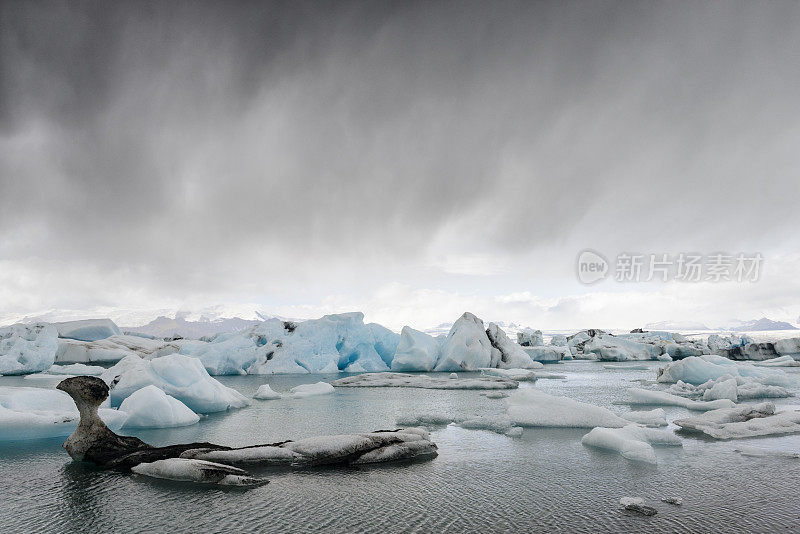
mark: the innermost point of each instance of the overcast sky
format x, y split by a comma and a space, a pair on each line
410, 160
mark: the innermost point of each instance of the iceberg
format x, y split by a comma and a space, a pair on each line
226, 354
76, 369
612, 348
34, 413
649, 396
467, 347
266, 393
699, 369
530, 338
330, 344
746, 388
743, 421
649, 418
311, 390
722, 389
179, 376
788, 347
402, 380
511, 355
531, 407
780, 361
200, 471
150, 407
548, 353
633, 442
87, 330
27, 348
416, 351
520, 375
113, 349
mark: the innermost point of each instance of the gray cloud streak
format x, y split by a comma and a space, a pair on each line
203, 143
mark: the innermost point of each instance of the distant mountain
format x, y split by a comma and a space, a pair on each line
165, 327
763, 324
676, 325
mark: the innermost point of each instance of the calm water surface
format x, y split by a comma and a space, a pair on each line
544, 481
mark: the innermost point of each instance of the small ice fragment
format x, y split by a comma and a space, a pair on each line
266, 393
677, 501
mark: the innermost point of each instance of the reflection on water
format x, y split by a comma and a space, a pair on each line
544, 481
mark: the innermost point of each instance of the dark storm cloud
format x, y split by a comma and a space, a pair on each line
171, 135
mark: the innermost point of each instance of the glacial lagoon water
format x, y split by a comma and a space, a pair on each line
545, 481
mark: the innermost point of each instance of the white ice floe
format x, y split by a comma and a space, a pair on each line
780, 361
27, 348
662, 398
177, 375
743, 421
34, 413
499, 424
87, 329
765, 453
467, 347
403, 380
200, 471
311, 390
511, 355
417, 351
150, 407
731, 387
519, 375
430, 419
266, 393
76, 369
531, 407
652, 418
699, 369
627, 367
373, 447
632, 441
548, 353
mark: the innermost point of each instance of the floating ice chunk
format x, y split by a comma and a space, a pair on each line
500, 424
636, 504
311, 390
227, 354
201, 471
87, 330
746, 388
780, 361
495, 394
266, 393
519, 375
559, 340
650, 418
453, 376
425, 420
27, 348
150, 407
788, 346
649, 396
531, 407
632, 441
417, 351
547, 353
743, 421
35, 413
677, 501
76, 369
762, 453
612, 348
627, 367
179, 376
467, 347
403, 380
699, 369
530, 338
114, 348
722, 389
511, 355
